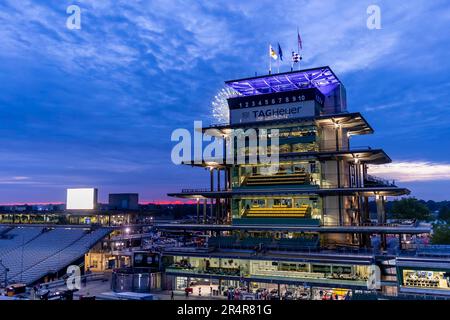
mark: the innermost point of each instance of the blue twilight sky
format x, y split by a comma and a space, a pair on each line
96, 106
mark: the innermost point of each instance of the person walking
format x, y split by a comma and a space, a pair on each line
172, 295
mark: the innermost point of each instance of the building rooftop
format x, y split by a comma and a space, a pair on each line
322, 78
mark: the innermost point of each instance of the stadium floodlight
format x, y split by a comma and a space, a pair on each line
81, 199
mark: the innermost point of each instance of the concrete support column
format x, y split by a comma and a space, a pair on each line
357, 175
225, 178
218, 203
198, 210
364, 174
381, 214
218, 179
337, 128
211, 175
338, 169
211, 209
366, 214
211, 179
205, 203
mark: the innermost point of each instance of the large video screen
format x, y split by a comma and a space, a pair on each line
81, 199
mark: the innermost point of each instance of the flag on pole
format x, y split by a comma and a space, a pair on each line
299, 40
280, 52
272, 53
296, 57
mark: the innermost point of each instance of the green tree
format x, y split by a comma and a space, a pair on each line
441, 234
410, 208
444, 213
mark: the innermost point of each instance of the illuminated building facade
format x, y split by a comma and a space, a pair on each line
308, 224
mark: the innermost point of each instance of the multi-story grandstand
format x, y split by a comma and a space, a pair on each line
307, 226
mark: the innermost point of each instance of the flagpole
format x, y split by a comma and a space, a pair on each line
270, 60
292, 60
298, 47
270, 64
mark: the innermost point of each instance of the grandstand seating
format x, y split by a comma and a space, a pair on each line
34, 252
63, 257
4, 230
14, 238
279, 212
277, 179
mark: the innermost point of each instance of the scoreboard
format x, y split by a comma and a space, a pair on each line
278, 105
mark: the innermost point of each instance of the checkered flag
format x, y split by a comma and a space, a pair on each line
296, 57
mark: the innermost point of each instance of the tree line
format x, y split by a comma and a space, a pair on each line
412, 208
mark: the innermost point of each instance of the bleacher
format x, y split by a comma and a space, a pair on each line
13, 238
31, 253
277, 179
279, 212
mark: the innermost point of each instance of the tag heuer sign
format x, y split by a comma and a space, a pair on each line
276, 106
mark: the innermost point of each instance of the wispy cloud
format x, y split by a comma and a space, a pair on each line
96, 106
406, 171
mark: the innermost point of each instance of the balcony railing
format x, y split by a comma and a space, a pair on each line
311, 185
379, 181
195, 190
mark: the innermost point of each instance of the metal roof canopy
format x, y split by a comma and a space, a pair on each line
367, 191
292, 228
367, 155
354, 122
322, 78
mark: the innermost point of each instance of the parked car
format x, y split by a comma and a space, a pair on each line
16, 289
274, 295
303, 296
288, 295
